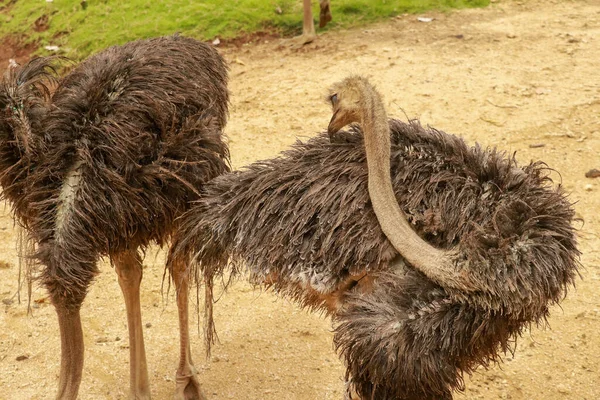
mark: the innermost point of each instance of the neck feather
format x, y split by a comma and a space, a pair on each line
435, 263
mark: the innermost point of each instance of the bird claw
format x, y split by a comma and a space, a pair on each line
298, 42
188, 387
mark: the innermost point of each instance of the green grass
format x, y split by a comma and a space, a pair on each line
80, 32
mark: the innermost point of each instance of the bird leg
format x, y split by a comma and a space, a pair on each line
71, 346
325, 14
308, 26
129, 269
186, 379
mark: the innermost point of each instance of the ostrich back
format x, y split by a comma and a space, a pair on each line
306, 218
117, 153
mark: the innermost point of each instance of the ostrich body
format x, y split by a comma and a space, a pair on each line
309, 225
103, 166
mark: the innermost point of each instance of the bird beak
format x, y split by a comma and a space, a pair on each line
332, 129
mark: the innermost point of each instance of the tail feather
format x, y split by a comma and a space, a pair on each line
24, 98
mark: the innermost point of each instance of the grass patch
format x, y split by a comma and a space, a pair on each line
79, 30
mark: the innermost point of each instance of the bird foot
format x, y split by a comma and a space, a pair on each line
299, 41
139, 396
188, 386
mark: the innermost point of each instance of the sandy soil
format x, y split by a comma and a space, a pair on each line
517, 75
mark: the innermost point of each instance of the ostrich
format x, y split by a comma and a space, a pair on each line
103, 166
308, 25
427, 273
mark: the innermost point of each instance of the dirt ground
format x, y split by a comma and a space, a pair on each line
523, 76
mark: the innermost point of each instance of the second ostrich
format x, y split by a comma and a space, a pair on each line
104, 166
427, 272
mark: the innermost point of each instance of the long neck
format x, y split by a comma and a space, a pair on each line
433, 262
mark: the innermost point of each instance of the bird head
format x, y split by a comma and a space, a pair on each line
346, 99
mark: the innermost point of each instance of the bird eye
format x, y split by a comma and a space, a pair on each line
334, 99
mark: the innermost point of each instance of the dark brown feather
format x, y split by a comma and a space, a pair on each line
118, 152
306, 219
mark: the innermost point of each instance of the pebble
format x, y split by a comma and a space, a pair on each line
593, 173
563, 389
589, 187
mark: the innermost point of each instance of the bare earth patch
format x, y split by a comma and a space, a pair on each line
12, 48
520, 75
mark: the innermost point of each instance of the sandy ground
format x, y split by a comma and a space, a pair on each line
517, 75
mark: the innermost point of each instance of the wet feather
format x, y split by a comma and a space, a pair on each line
303, 223
114, 155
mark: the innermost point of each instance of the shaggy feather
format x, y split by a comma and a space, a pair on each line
303, 224
140, 128
25, 96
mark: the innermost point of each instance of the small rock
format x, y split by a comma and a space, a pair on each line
52, 48
424, 19
511, 35
21, 358
563, 389
589, 187
537, 145
148, 325
216, 42
593, 173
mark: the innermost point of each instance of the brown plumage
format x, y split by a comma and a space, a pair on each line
304, 225
105, 164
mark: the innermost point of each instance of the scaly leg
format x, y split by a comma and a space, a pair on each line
308, 27
187, 383
129, 268
325, 14
71, 346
